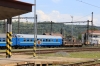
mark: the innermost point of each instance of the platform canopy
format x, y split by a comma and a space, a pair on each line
11, 8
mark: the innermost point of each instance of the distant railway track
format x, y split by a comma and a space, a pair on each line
44, 51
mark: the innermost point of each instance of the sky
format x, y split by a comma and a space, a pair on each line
63, 10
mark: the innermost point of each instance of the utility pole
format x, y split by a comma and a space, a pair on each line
36, 26
72, 25
87, 31
72, 28
92, 20
35, 30
18, 23
92, 28
63, 32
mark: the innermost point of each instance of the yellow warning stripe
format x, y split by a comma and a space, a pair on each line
9, 43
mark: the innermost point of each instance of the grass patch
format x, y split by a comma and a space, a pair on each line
84, 54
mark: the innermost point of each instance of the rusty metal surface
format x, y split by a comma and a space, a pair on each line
11, 8
16, 5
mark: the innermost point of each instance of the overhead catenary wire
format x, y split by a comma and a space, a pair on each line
88, 3
81, 17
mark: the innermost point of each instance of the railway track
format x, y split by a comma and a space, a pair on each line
54, 50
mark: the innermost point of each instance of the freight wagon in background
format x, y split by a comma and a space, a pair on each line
70, 41
91, 38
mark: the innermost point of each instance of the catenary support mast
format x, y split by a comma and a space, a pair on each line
35, 31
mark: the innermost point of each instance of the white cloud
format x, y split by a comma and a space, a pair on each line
53, 16
42, 16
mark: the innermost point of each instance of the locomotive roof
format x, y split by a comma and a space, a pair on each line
38, 36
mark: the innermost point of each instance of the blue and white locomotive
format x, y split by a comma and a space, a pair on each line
27, 40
